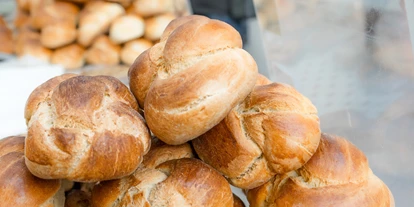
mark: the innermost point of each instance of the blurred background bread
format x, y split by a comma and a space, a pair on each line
133, 49
103, 51
6, 38
70, 57
126, 28
18, 184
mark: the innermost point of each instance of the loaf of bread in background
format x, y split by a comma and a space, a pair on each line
193, 77
126, 28
84, 129
103, 51
155, 26
147, 8
21, 20
95, 19
19, 188
28, 43
133, 49
58, 11
338, 174
70, 57
273, 131
6, 38
58, 34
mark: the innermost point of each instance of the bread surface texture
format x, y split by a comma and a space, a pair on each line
84, 128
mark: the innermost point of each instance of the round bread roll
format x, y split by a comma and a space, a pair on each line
274, 131
146, 8
85, 129
6, 38
103, 51
95, 19
56, 35
337, 175
58, 11
28, 43
19, 188
126, 28
70, 57
155, 26
186, 84
182, 182
133, 49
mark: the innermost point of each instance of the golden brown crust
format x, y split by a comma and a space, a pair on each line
70, 57
188, 81
103, 51
59, 34
275, 130
337, 175
18, 186
6, 38
74, 121
133, 49
181, 182
54, 12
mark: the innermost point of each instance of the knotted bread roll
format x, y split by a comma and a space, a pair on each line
189, 81
180, 182
274, 131
338, 174
84, 129
18, 186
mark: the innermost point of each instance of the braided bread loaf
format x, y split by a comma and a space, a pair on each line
191, 79
85, 129
338, 174
275, 130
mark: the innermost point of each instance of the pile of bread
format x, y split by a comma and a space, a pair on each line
196, 118
73, 33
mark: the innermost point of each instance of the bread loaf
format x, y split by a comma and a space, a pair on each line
58, 11
84, 129
337, 175
95, 20
273, 131
189, 81
133, 49
146, 8
126, 28
103, 51
19, 188
182, 182
6, 38
154, 26
28, 43
58, 34
70, 57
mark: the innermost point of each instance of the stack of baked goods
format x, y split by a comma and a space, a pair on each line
75, 33
196, 119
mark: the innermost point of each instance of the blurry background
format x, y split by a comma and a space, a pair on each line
352, 58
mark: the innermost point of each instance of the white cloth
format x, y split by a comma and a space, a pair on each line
18, 78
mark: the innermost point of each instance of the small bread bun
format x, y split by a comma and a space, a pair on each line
126, 28
133, 49
155, 26
19, 188
95, 19
58, 11
70, 57
338, 174
28, 43
58, 34
6, 38
146, 8
193, 77
273, 131
181, 182
103, 51
84, 129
